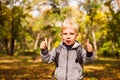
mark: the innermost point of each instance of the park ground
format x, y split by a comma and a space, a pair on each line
31, 68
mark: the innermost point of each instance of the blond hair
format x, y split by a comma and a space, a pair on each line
69, 22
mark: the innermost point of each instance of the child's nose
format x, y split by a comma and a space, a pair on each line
68, 36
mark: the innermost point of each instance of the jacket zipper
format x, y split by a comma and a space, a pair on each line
67, 65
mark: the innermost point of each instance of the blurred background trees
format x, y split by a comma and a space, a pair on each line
25, 23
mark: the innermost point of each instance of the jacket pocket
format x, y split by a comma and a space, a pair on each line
60, 73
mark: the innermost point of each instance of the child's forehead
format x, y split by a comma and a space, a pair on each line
69, 28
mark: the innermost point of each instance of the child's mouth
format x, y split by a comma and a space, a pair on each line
68, 41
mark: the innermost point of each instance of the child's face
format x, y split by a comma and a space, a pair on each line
69, 35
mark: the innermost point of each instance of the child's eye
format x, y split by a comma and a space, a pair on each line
64, 33
71, 33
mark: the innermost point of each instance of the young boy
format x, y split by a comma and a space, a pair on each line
68, 68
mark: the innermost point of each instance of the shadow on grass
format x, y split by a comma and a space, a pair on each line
23, 68
26, 68
103, 69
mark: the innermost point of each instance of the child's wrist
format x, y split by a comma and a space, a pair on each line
43, 49
89, 54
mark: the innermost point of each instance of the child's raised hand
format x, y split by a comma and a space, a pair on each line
89, 46
43, 44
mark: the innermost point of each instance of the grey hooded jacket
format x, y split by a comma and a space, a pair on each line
68, 69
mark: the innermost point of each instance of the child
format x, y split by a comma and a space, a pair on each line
67, 68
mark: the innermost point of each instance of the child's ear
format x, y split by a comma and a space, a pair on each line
60, 34
77, 34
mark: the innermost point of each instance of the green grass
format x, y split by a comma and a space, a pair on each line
31, 68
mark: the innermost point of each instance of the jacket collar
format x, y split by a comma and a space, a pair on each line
76, 44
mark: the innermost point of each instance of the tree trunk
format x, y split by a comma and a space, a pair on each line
118, 3
12, 46
49, 43
7, 45
94, 41
37, 40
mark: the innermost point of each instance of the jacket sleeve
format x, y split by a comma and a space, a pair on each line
47, 56
88, 57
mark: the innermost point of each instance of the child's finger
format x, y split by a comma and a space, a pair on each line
46, 40
88, 41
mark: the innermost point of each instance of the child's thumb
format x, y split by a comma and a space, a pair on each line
88, 41
46, 41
